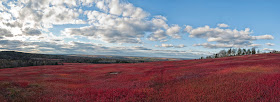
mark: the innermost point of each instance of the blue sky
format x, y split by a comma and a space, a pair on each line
153, 28
259, 15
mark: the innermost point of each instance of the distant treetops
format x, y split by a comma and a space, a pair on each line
235, 52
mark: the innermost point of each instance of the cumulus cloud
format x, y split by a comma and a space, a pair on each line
174, 31
122, 22
5, 33
171, 46
223, 25
158, 35
25, 25
270, 44
116, 21
225, 38
31, 17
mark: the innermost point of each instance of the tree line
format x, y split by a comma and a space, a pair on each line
233, 52
11, 59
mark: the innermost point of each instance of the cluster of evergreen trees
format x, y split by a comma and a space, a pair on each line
233, 52
6, 63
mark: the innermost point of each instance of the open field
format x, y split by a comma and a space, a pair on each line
240, 78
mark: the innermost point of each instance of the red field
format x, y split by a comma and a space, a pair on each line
241, 78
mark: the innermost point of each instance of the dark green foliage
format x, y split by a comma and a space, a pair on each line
233, 52
11, 59
244, 52
253, 50
229, 52
249, 52
239, 52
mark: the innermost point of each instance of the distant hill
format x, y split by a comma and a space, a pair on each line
10, 59
132, 58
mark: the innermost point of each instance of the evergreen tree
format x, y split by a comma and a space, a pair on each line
216, 56
229, 52
244, 52
253, 50
249, 52
259, 52
233, 52
239, 52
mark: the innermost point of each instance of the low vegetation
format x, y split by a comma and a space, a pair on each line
241, 78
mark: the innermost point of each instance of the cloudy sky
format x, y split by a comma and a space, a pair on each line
154, 28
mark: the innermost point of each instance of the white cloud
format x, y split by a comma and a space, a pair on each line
254, 45
180, 46
116, 21
119, 8
158, 35
225, 38
2, 7
25, 25
30, 17
268, 37
166, 45
223, 25
207, 45
90, 48
122, 22
171, 45
174, 31
270, 44
268, 49
188, 28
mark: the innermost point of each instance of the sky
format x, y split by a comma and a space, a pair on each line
148, 28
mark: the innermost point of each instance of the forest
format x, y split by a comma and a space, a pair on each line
11, 59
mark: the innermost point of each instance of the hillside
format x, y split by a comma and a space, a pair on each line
11, 59
239, 78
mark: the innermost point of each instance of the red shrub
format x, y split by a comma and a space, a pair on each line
241, 78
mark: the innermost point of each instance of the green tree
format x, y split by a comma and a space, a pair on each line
233, 52
249, 52
239, 52
216, 56
244, 52
253, 50
229, 52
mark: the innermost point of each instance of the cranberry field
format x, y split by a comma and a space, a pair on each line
239, 78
